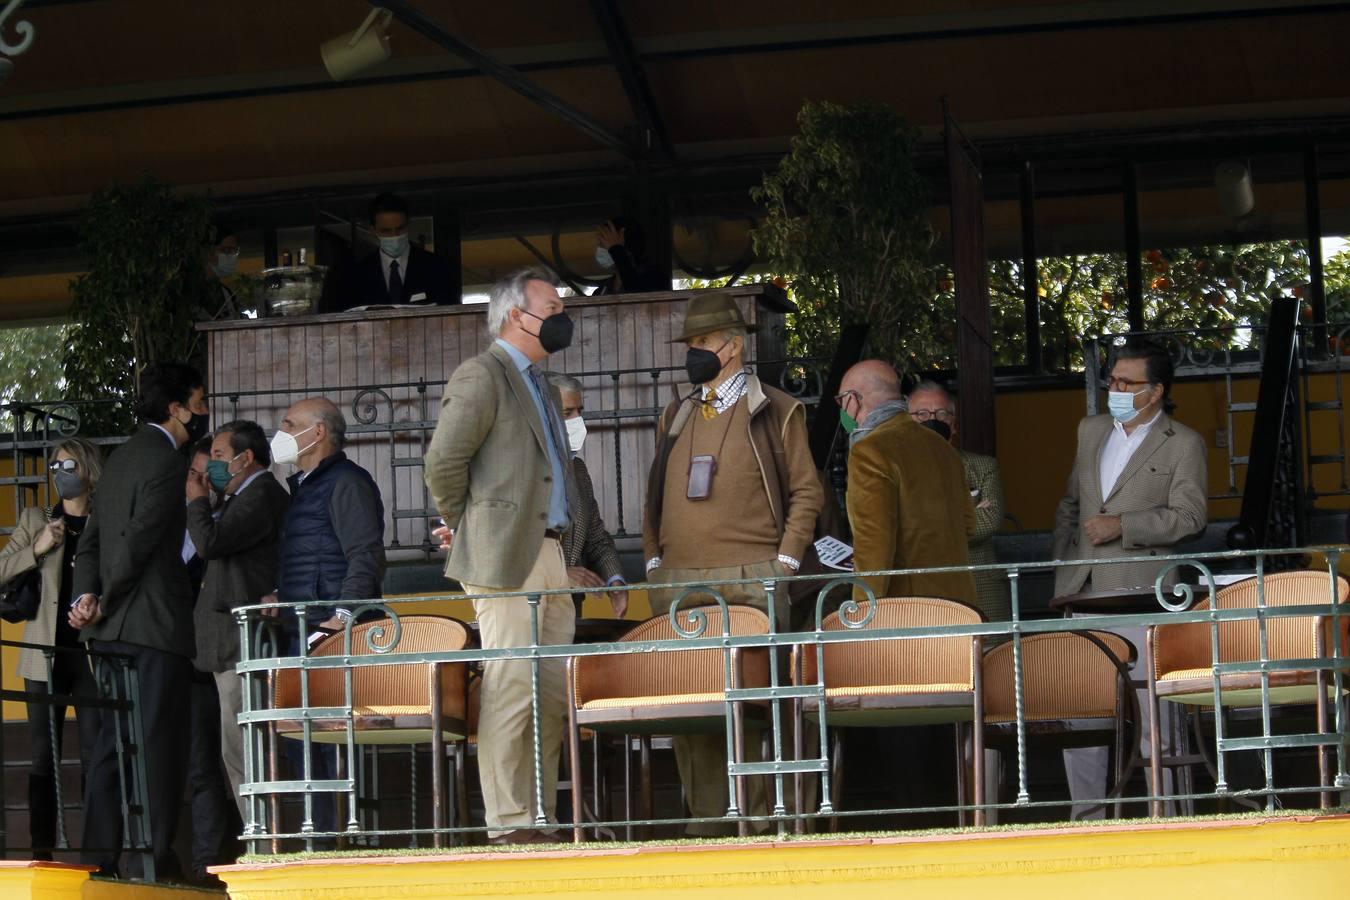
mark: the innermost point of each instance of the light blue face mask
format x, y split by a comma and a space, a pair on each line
1121, 405
603, 258
394, 247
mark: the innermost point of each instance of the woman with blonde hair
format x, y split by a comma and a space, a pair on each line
46, 542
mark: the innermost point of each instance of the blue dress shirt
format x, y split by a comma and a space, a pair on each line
557, 499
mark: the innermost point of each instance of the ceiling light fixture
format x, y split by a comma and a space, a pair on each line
1233, 181
358, 50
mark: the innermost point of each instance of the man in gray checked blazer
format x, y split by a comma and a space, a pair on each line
1139, 481
1138, 488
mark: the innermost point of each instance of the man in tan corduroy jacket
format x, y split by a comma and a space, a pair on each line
908, 504
750, 514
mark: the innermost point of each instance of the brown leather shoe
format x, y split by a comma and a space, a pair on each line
524, 836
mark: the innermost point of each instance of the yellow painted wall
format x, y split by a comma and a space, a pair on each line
1277, 859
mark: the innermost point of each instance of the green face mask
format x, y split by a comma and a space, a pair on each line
847, 421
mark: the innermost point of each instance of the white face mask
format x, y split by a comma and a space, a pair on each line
394, 247
603, 259
226, 263
285, 448
576, 433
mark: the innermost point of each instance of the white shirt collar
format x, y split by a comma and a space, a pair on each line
1139, 430
172, 440
247, 481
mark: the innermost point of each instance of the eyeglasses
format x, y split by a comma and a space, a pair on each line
228, 251
1121, 384
63, 465
842, 398
923, 415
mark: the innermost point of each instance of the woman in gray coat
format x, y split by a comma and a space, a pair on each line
47, 542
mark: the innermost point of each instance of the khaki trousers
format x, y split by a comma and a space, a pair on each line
506, 724
702, 758
230, 687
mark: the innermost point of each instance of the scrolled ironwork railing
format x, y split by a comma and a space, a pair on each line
389, 427
787, 766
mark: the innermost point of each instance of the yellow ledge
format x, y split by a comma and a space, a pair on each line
1304, 857
62, 881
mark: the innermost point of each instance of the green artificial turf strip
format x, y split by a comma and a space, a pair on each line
258, 858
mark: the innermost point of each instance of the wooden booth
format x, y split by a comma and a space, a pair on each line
386, 368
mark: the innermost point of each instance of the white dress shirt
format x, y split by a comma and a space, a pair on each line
1119, 447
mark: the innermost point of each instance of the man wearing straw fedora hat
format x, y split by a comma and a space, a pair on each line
733, 493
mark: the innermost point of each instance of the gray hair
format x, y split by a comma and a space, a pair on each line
949, 400
509, 293
564, 383
333, 421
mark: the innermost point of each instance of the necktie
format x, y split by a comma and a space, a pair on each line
709, 409
551, 420
395, 283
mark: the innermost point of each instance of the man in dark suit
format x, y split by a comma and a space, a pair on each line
398, 272
240, 544
213, 825
131, 586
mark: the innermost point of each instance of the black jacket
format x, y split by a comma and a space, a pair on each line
427, 274
242, 551
131, 551
636, 278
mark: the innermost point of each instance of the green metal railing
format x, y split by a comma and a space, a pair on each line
118, 692
264, 826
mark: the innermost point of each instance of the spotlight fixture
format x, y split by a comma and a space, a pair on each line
1233, 181
358, 50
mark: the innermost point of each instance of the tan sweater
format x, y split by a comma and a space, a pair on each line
735, 525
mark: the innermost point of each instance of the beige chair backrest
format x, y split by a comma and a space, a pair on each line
392, 685
1064, 676
672, 672
935, 660
1187, 646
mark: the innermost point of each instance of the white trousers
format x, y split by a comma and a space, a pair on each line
1087, 767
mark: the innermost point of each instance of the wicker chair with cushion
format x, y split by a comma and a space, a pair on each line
677, 692
1179, 659
1076, 692
391, 704
919, 681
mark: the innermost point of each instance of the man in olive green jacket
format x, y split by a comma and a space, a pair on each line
908, 503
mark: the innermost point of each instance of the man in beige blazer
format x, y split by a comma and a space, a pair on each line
497, 471
1138, 488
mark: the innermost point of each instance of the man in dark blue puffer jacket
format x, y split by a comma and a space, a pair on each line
332, 544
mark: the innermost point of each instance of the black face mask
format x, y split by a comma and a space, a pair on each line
702, 365
943, 430
68, 484
197, 427
555, 332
